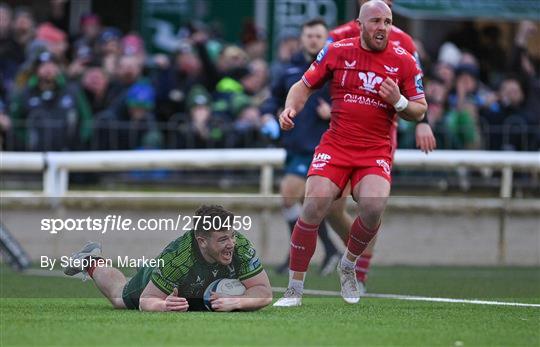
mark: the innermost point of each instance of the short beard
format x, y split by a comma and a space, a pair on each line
367, 41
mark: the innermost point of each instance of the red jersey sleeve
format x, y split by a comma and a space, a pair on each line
321, 69
411, 85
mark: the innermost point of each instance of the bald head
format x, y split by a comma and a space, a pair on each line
377, 8
388, 2
376, 20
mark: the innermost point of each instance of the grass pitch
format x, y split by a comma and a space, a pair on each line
51, 311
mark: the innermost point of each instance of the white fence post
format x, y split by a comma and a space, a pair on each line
49, 179
266, 180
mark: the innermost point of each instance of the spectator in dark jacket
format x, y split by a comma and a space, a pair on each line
48, 115
132, 124
201, 129
97, 89
529, 75
505, 123
10, 55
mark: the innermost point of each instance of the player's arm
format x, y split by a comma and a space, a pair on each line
258, 294
411, 110
415, 110
314, 78
296, 99
155, 300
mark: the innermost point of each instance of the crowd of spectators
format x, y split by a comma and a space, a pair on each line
101, 89
480, 95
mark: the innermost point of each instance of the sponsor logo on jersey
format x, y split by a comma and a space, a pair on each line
350, 64
320, 160
214, 272
232, 271
363, 100
322, 53
399, 50
370, 80
384, 164
418, 83
198, 283
254, 263
390, 69
339, 44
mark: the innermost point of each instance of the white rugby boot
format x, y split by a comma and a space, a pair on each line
350, 289
291, 298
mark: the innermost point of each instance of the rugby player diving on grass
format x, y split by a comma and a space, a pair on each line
186, 267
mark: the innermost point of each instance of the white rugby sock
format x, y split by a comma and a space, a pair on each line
298, 285
346, 263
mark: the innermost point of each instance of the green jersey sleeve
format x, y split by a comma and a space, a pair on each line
249, 262
177, 260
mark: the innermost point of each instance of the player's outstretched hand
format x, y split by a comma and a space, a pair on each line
224, 303
175, 303
424, 138
286, 119
389, 91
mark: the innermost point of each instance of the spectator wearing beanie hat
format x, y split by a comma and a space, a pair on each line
201, 129
55, 40
132, 125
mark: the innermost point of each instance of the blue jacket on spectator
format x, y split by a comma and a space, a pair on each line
309, 127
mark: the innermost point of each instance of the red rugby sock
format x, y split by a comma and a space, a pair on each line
362, 267
303, 243
359, 237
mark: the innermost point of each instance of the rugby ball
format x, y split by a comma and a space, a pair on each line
227, 286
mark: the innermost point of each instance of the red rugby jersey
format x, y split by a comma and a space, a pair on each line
360, 117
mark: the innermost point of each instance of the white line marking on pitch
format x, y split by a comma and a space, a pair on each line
59, 273
413, 298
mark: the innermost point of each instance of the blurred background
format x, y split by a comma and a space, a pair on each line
192, 74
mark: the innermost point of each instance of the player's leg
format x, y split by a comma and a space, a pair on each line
292, 189
363, 265
341, 222
109, 280
338, 217
371, 193
331, 254
320, 192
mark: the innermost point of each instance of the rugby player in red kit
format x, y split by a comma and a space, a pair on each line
370, 80
339, 219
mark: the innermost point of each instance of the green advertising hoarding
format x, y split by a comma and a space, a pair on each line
469, 9
161, 20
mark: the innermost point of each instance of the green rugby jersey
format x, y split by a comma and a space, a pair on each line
184, 267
